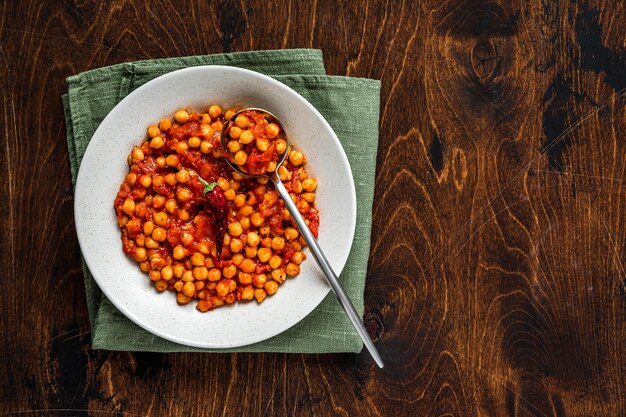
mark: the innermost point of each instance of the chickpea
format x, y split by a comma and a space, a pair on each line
171, 160
179, 270
234, 133
160, 218
308, 197
129, 206
171, 205
151, 243
236, 245
284, 174
278, 244
194, 142
262, 144
170, 179
206, 147
246, 137
215, 111
189, 289
296, 158
265, 230
221, 289
182, 298
183, 194
275, 262
199, 285
271, 166
292, 269
247, 265
245, 211
250, 251
157, 142
260, 295
179, 252
182, 176
242, 121
203, 248
161, 161
241, 157
178, 286
137, 154
240, 200
291, 234
247, 293
229, 271
237, 258
187, 276
154, 275
257, 219
281, 146
245, 278
266, 242
167, 273
140, 240
186, 238
197, 259
200, 273
157, 262
297, 258
181, 147
217, 126
158, 201
263, 180
160, 285
227, 239
131, 178
258, 280
279, 275
264, 254
159, 234
272, 130
303, 206
145, 181
309, 184
237, 176
206, 130
271, 287
230, 194
181, 116
165, 125
223, 183
140, 254
214, 275
253, 239
229, 114
296, 186
234, 146
234, 229
153, 131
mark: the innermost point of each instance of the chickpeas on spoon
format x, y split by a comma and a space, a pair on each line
256, 145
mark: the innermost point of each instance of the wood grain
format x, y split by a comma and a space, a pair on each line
497, 280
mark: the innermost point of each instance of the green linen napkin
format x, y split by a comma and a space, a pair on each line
350, 105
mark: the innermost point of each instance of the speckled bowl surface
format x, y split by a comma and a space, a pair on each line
104, 167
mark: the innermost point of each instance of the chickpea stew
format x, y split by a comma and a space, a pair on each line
202, 230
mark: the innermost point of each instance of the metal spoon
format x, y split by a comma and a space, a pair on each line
316, 250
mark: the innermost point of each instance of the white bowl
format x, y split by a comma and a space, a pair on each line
104, 167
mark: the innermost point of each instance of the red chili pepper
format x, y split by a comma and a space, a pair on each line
217, 200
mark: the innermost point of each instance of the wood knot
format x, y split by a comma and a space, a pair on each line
484, 59
374, 326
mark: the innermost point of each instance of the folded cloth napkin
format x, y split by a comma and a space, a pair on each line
350, 105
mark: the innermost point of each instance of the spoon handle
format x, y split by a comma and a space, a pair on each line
319, 256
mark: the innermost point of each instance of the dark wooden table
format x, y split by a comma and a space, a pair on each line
497, 281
